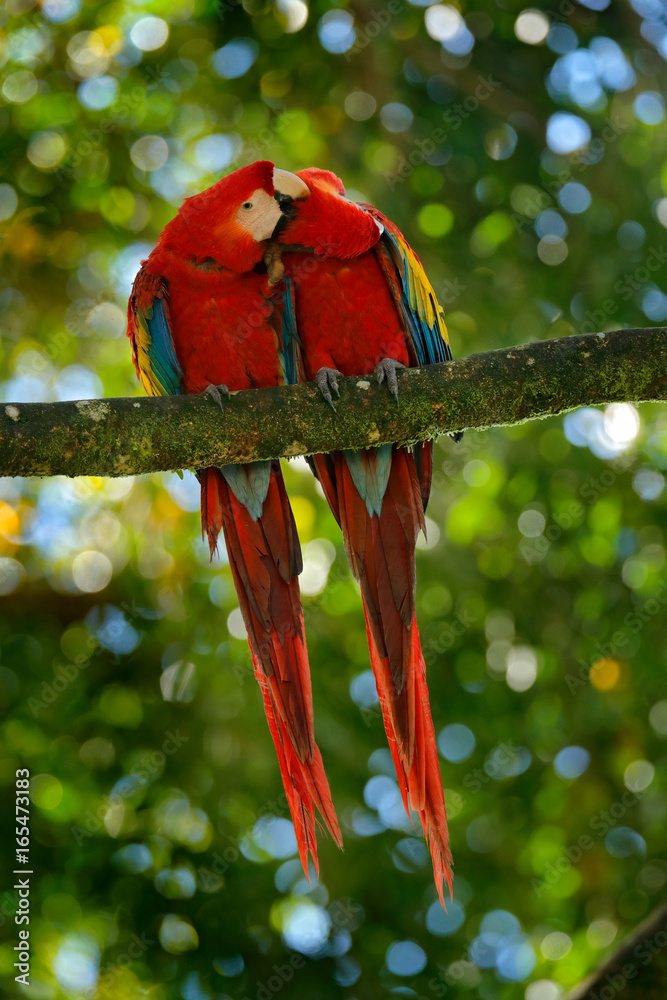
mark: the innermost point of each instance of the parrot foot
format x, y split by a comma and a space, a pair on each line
216, 392
326, 381
386, 369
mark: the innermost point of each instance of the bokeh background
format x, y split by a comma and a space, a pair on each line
522, 151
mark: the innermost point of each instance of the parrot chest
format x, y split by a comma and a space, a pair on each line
224, 333
345, 314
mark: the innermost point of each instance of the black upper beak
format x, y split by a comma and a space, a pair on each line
287, 211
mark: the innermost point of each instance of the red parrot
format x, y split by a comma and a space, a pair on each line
202, 317
361, 304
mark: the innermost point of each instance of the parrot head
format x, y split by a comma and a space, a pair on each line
232, 221
324, 220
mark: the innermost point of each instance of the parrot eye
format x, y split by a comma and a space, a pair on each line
247, 205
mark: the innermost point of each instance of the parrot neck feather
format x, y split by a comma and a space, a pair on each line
328, 223
195, 236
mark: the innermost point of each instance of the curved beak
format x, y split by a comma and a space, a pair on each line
288, 187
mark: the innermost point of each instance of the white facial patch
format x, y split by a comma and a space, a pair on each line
259, 215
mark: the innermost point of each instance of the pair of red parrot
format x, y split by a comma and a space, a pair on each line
268, 278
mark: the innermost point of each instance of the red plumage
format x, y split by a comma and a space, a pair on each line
348, 319
200, 315
265, 559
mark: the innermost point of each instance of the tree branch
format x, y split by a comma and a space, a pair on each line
638, 968
119, 437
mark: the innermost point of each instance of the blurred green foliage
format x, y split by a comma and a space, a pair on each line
524, 155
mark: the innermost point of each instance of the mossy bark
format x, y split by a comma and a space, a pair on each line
120, 437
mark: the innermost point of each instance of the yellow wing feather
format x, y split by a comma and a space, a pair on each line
421, 294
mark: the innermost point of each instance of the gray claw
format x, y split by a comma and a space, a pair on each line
386, 369
326, 381
216, 392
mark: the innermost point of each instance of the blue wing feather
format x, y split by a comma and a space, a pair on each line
415, 299
161, 353
150, 333
416, 306
161, 374
290, 357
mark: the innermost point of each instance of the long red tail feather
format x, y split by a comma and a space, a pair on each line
265, 560
381, 552
418, 779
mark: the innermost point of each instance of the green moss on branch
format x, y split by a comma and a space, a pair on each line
118, 437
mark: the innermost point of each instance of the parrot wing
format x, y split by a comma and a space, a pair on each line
149, 330
289, 341
423, 316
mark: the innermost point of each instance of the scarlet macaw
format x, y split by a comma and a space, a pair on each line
201, 319
363, 304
